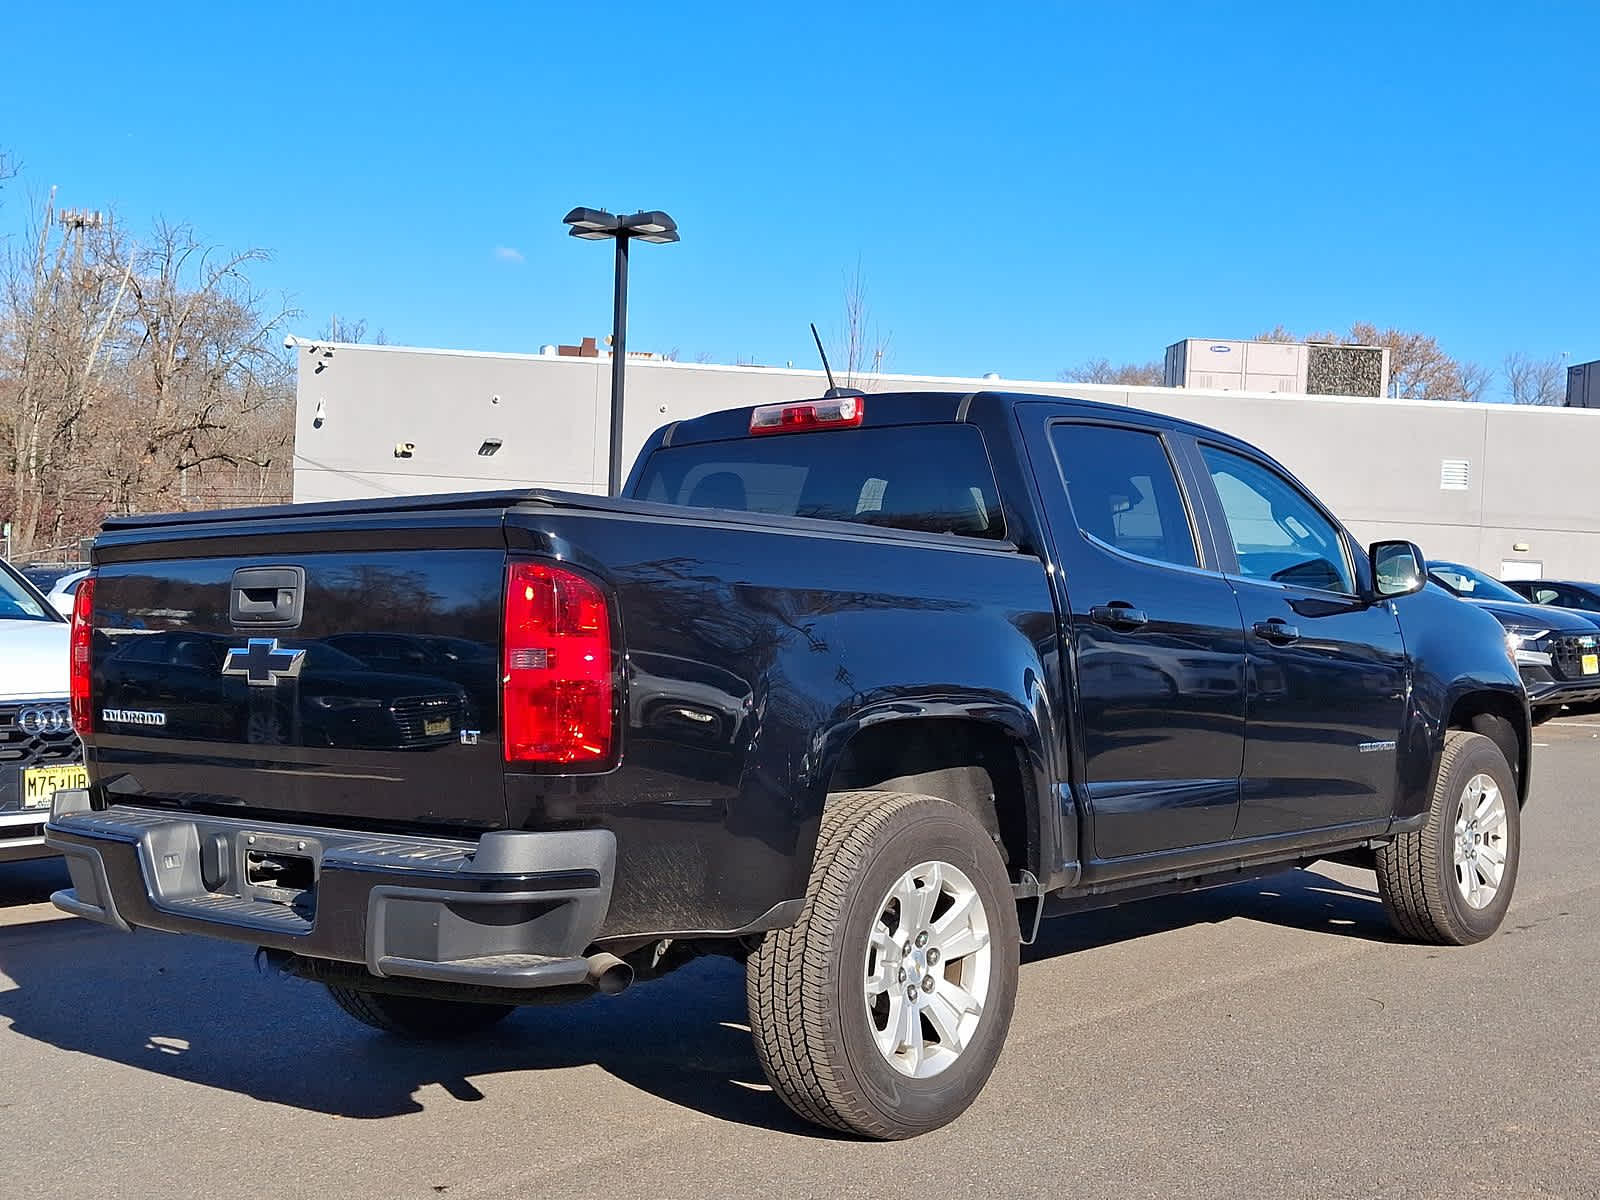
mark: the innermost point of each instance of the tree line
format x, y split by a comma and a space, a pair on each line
139, 371
1419, 368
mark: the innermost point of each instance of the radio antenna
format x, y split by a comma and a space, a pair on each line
816, 337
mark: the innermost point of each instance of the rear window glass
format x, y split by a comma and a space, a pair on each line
933, 478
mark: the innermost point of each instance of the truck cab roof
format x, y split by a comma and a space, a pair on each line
921, 408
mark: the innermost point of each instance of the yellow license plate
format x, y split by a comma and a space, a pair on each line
1591, 664
435, 728
40, 784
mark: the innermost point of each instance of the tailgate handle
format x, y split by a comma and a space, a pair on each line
267, 597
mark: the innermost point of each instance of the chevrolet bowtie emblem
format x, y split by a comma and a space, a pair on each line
263, 662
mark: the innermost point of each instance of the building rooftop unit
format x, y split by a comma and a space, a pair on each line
1293, 368
1583, 385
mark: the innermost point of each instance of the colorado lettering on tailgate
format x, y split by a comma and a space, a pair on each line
128, 716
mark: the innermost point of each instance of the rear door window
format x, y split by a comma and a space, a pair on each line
932, 478
1124, 492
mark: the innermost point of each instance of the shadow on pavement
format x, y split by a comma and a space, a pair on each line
199, 1011
196, 1010
1305, 900
31, 882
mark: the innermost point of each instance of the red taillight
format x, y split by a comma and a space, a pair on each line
838, 412
557, 683
82, 618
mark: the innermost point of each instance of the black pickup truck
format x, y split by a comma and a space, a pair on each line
850, 689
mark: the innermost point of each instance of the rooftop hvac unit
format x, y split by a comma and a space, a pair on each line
1347, 370
1294, 368
1583, 385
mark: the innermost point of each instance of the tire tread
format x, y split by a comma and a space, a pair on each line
1412, 874
787, 980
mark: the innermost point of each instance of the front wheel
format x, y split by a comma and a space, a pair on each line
1451, 881
883, 1009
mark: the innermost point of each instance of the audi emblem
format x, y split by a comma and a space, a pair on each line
45, 720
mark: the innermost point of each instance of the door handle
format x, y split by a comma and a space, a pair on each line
267, 597
1119, 616
1277, 631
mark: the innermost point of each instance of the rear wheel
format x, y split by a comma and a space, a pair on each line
417, 1016
1451, 881
882, 1011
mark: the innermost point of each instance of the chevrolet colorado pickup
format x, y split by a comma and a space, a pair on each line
852, 690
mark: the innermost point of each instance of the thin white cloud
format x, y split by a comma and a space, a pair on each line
508, 254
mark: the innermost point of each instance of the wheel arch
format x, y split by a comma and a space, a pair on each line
988, 759
1503, 720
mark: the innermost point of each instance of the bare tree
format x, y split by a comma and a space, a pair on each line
206, 358
134, 376
1534, 380
704, 356
1102, 370
1475, 380
1419, 368
337, 330
865, 347
350, 332
61, 302
1279, 334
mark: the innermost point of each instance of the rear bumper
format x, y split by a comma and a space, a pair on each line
507, 910
22, 836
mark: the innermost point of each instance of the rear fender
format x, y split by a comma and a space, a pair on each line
1052, 837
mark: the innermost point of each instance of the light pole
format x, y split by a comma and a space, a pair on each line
595, 224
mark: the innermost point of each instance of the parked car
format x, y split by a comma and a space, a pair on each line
63, 588
1560, 593
1557, 650
39, 752
44, 576
851, 690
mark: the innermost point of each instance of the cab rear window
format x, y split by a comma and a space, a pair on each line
932, 478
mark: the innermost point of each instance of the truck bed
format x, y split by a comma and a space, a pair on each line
735, 649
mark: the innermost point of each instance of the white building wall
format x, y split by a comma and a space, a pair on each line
1375, 462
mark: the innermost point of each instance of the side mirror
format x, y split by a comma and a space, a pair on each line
1398, 569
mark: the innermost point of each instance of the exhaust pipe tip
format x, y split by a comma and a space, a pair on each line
608, 974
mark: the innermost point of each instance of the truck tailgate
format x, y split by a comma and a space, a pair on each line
271, 677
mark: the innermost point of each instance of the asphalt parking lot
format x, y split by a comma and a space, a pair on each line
1267, 1040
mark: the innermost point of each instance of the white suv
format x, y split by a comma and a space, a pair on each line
39, 753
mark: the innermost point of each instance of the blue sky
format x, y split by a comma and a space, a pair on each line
1025, 187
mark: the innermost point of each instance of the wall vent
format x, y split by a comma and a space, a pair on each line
1454, 474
